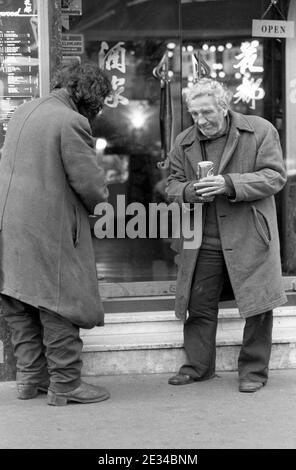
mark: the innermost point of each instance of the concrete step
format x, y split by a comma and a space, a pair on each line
146, 325
152, 342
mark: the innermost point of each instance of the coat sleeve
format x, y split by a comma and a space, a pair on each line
177, 180
269, 175
85, 176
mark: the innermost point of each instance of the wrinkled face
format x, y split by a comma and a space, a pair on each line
208, 115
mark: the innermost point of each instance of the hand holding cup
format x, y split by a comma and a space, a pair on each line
210, 186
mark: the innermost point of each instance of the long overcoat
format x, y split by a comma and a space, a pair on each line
247, 223
50, 181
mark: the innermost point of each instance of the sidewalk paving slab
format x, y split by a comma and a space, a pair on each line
144, 412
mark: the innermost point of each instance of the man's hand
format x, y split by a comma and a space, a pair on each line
190, 193
210, 186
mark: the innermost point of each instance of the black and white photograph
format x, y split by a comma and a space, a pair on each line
147, 231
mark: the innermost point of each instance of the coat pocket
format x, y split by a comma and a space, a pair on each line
261, 225
177, 244
77, 227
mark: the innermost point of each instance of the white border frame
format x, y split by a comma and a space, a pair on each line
43, 47
291, 95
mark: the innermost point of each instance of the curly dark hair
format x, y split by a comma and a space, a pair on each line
87, 84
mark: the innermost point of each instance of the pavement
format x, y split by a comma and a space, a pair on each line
144, 412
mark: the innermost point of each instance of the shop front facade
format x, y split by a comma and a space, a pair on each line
153, 50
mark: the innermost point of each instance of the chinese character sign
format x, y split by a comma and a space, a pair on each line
247, 58
250, 90
114, 59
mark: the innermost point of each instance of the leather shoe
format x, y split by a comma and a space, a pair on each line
249, 386
85, 393
181, 379
28, 391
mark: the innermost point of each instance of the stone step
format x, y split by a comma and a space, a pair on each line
152, 342
157, 303
163, 323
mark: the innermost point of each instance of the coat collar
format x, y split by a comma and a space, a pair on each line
191, 142
63, 95
238, 121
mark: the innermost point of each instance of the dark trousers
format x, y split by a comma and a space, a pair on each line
201, 326
46, 345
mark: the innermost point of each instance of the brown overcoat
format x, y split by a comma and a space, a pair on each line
50, 181
247, 224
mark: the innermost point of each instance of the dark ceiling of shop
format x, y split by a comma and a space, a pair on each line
150, 18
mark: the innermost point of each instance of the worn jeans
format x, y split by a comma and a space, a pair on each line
46, 346
201, 326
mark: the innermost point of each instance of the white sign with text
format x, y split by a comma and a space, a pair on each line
273, 28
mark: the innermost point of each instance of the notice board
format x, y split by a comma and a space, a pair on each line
19, 57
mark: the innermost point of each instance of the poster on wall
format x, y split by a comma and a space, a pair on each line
72, 7
19, 58
72, 44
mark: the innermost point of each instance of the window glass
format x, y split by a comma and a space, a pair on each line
252, 67
19, 59
129, 39
238, 63
148, 48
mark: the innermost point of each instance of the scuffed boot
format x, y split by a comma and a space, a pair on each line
85, 393
28, 391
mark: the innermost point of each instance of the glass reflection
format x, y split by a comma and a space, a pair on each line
129, 38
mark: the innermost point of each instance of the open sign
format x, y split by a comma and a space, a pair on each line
273, 28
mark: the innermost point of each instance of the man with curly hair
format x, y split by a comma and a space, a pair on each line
50, 181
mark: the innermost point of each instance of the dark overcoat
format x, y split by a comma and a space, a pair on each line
248, 223
50, 180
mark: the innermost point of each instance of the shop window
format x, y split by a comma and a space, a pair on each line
128, 39
19, 56
238, 63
